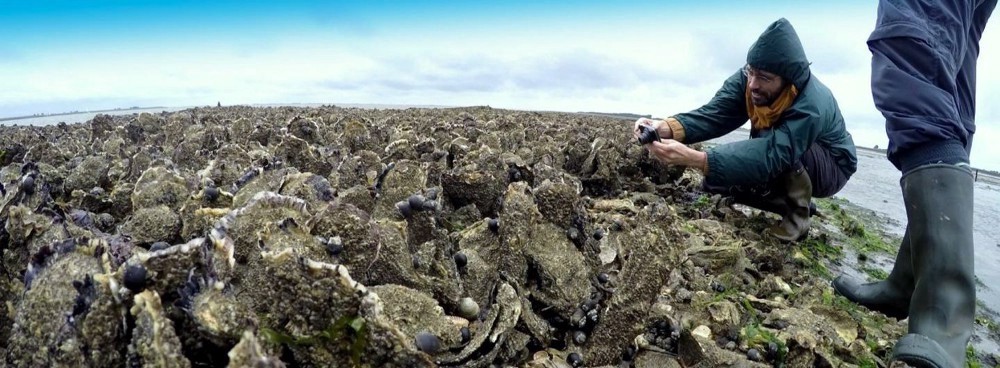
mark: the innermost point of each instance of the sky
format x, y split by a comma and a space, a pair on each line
645, 57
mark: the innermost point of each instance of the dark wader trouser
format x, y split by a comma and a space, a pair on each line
827, 179
924, 82
789, 195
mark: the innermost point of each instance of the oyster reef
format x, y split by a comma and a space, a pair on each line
333, 237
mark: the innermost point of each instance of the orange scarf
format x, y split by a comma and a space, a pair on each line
763, 117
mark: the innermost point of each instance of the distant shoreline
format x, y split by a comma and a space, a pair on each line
80, 112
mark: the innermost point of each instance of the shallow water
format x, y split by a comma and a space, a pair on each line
82, 117
85, 116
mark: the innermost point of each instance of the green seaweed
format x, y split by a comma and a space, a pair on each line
875, 273
352, 328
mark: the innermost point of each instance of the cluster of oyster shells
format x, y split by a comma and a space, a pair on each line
327, 236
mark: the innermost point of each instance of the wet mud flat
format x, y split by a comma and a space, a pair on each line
327, 236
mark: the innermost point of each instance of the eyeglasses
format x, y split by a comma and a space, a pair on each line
750, 72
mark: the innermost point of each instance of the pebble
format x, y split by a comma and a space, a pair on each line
684, 295
427, 342
211, 194
579, 337
772, 350
573, 234
461, 260
334, 246
466, 334
628, 353
404, 208
431, 206
731, 345
664, 342
702, 331
754, 355
416, 202
159, 246
28, 185
135, 278
432, 193
574, 359
579, 318
718, 287
468, 309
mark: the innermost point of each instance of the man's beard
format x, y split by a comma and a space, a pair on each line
762, 98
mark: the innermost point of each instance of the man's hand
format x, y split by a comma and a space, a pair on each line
661, 128
671, 152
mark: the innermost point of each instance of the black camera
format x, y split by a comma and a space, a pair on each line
647, 134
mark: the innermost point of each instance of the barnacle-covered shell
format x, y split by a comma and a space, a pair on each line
230, 162
403, 180
45, 151
249, 352
154, 341
92, 172
159, 186
363, 168
268, 178
305, 300
354, 228
304, 129
243, 225
403, 304
299, 153
168, 269
68, 316
202, 210
312, 188
151, 224
218, 316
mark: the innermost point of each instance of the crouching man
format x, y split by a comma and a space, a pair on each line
799, 147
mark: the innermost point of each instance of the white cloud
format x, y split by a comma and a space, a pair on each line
649, 66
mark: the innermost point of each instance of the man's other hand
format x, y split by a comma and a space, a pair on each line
671, 152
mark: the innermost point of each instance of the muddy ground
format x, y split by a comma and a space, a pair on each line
474, 237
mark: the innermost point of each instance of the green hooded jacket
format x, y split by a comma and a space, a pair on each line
813, 117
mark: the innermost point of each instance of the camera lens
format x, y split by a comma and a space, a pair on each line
647, 135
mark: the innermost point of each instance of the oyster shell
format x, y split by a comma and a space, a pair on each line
68, 313
250, 353
154, 342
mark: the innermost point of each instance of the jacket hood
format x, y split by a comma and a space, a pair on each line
779, 51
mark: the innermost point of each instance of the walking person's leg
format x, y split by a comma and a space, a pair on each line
923, 81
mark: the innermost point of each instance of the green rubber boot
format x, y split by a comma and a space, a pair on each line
890, 296
795, 221
938, 201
